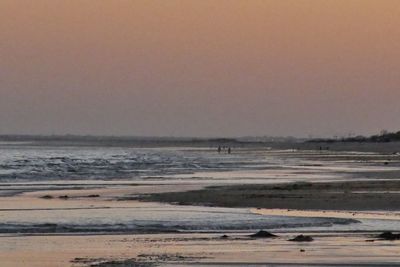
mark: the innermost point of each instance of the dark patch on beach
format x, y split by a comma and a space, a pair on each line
123, 263
102, 262
47, 197
263, 234
302, 238
352, 195
142, 260
389, 236
166, 258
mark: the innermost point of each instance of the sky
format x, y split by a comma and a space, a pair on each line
199, 68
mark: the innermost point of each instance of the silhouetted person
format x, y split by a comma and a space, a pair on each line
219, 149
229, 150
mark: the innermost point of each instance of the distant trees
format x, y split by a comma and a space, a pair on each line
384, 136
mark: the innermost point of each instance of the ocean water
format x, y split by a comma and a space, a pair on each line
24, 163
40, 163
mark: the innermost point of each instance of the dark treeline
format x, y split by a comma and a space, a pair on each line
383, 137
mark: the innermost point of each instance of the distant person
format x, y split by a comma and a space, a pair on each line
219, 149
229, 150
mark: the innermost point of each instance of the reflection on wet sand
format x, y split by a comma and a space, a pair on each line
186, 249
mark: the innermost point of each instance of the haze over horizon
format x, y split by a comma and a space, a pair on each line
200, 68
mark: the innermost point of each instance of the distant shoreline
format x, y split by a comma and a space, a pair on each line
121, 141
89, 140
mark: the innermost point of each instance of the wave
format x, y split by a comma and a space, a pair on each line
167, 227
57, 163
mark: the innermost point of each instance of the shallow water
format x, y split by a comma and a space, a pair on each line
137, 217
38, 163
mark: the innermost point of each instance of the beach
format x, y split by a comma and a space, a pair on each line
146, 133
193, 206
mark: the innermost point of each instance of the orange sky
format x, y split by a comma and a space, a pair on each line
199, 68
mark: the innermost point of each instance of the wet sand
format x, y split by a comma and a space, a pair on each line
354, 195
195, 249
183, 249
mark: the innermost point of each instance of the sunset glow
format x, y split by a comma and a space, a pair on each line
199, 68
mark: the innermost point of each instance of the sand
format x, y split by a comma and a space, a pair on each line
189, 249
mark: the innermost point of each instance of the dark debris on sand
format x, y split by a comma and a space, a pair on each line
263, 234
389, 236
302, 238
157, 258
112, 263
123, 263
142, 260
95, 195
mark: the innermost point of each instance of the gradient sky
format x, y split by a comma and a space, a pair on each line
199, 68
